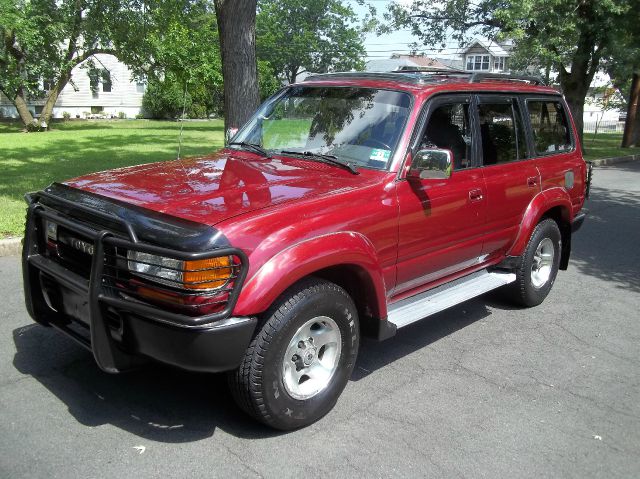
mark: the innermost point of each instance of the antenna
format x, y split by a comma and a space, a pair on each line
184, 107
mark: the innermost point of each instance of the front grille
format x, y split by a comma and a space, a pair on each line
64, 252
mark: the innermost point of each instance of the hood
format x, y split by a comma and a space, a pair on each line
214, 188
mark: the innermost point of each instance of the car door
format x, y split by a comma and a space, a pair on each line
441, 221
510, 174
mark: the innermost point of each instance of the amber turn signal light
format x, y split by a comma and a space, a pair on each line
207, 273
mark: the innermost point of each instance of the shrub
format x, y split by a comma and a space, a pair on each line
163, 99
139, 116
66, 115
122, 115
197, 111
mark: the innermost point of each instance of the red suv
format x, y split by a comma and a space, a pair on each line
349, 204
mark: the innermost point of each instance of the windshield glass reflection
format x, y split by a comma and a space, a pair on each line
361, 126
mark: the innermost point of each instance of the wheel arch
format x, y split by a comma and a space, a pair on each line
554, 203
347, 259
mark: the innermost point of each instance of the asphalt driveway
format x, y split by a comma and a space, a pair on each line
481, 390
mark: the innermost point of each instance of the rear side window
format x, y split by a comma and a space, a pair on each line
550, 127
502, 133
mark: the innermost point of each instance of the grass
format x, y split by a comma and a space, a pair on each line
31, 161
605, 145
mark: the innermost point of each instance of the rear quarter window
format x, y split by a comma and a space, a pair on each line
549, 127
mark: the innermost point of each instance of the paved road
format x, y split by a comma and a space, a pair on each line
482, 390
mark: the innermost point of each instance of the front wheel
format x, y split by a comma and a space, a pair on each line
538, 265
302, 357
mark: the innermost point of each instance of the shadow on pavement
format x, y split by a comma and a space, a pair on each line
168, 405
156, 403
608, 245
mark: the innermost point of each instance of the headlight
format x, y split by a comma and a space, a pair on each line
203, 274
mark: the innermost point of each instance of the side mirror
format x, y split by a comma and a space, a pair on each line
431, 163
230, 133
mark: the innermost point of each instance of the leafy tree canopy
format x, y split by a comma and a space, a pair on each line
569, 36
318, 36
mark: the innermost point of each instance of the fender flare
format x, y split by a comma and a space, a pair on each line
540, 204
345, 248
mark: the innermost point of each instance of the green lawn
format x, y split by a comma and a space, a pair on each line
605, 145
30, 161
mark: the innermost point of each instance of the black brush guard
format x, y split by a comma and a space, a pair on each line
211, 342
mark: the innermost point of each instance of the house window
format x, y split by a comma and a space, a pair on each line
140, 87
499, 64
93, 85
106, 81
478, 62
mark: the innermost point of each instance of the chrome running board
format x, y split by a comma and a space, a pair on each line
430, 302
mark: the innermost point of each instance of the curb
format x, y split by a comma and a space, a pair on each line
10, 246
615, 160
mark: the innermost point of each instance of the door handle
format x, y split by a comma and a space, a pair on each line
475, 195
532, 181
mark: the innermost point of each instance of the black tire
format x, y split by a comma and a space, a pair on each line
258, 384
524, 291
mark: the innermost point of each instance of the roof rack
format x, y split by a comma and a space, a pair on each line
425, 77
408, 77
479, 76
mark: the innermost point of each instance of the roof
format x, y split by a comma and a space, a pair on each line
434, 81
427, 77
494, 48
404, 62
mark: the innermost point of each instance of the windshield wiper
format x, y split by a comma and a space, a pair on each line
253, 147
331, 159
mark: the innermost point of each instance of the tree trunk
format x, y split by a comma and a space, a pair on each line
237, 30
584, 65
52, 98
575, 97
631, 136
19, 102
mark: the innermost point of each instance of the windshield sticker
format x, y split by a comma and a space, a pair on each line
378, 154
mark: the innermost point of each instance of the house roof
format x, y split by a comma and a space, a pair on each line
494, 48
401, 62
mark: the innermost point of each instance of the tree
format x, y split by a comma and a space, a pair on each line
43, 40
179, 56
570, 36
237, 30
319, 36
623, 66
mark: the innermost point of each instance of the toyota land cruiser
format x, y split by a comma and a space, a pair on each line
351, 203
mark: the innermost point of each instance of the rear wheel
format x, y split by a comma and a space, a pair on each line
301, 358
539, 264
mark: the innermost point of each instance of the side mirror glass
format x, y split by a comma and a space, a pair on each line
230, 133
431, 163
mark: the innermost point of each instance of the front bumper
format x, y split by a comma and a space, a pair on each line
122, 332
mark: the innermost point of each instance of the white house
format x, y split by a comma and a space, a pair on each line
487, 56
114, 92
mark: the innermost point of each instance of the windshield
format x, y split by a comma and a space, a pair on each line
361, 126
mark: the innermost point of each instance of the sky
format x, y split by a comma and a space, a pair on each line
398, 42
